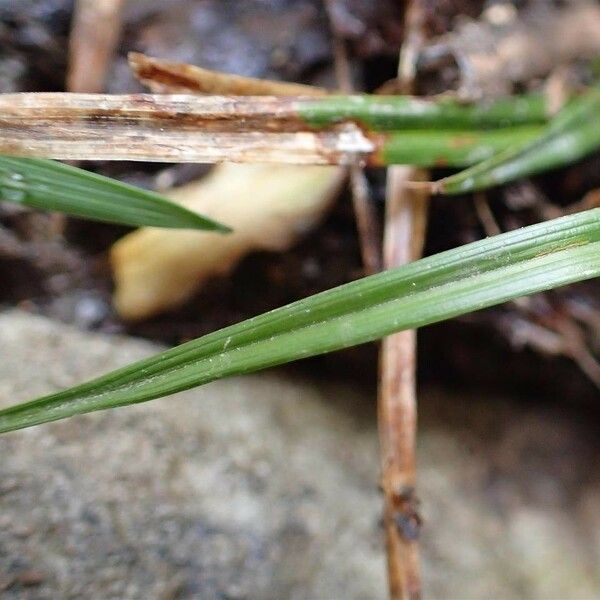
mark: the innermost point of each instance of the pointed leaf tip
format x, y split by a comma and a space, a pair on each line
50, 185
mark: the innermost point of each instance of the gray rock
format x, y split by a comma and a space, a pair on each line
266, 487
253, 487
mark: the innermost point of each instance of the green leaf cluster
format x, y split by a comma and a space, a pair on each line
505, 141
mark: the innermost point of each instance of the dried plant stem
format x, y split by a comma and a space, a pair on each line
485, 214
366, 220
406, 211
414, 40
405, 226
94, 36
178, 128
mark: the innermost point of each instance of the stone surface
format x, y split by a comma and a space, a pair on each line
266, 487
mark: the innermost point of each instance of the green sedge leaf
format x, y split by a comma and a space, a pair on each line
451, 148
439, 287
395, 113
570, 136
49, 185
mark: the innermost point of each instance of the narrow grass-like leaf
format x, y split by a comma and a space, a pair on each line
49, 185
391, 113
439, 287
450, 148
276, 129
570, 136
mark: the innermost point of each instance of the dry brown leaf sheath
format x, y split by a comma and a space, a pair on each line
177, 128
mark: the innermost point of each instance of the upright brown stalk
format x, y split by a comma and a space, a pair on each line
94, 36
406, 211
369, 231
404, 237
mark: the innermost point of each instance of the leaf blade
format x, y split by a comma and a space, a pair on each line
570, 136
192, 128
469, 278
49, 185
